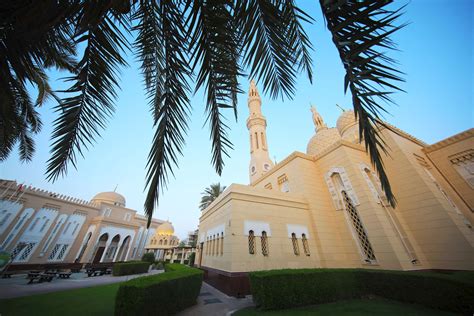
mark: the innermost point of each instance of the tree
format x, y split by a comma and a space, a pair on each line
210, 194
209, 43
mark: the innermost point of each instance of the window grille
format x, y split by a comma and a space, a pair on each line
294, 241
251, 243
264, 242
305, 244
62, 252
359, 228
26, 251
222, 244
16, 250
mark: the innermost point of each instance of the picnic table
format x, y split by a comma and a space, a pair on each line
39, 277
96, 271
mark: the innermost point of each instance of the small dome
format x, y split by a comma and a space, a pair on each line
109, 197
322, 140
165, 229
345, 121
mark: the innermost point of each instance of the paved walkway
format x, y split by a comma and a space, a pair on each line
212, 302
17, 286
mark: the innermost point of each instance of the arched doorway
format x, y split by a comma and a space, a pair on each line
100, 247
112, 249
84, 246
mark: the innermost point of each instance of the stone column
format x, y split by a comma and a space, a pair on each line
118, 251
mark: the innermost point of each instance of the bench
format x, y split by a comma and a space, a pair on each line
40, 277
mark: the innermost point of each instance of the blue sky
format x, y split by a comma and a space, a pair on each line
436, 52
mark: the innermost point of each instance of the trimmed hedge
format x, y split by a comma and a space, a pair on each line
279, 289
148, 257
160, 294
131, 267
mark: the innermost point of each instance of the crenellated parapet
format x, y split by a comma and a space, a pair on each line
12, 190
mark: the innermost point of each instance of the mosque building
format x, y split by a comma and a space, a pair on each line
325, 208
41, 227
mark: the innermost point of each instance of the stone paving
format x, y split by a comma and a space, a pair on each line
212, 302
17, 286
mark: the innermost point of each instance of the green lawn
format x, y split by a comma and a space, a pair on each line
352, 307
97, 300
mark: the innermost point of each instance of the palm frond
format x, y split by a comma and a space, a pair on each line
33, 36
268, 53
170, 102
360, 31
82, 115
296, 36
215, 49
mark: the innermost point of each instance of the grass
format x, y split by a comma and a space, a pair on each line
351, 307
97, 300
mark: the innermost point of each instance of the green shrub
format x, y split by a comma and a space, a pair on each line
148, 257
278, 289
170, 267
131, 267
192, 257
159, 265
160, 294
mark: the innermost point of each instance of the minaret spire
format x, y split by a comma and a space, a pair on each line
260, 161
318, 120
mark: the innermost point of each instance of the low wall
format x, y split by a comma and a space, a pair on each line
235, 284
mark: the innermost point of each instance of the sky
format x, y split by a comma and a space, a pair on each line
435, 52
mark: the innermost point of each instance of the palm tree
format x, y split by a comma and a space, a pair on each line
210, 194
182, 46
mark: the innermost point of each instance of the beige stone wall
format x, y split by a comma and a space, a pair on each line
423, 231
441, 154
441, 239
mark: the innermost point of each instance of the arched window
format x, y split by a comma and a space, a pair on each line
264, 144
305, 244
359, 229
67, 228
44, 225
251, 242
294, 241
207, 246
222, 244
264, 242
34, 224
166, 242
256, 139
217, 245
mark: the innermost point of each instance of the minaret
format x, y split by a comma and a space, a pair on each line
318, 120
260, 161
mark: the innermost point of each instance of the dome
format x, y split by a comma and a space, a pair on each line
345, 121
109, 197
165, 229
322, 140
